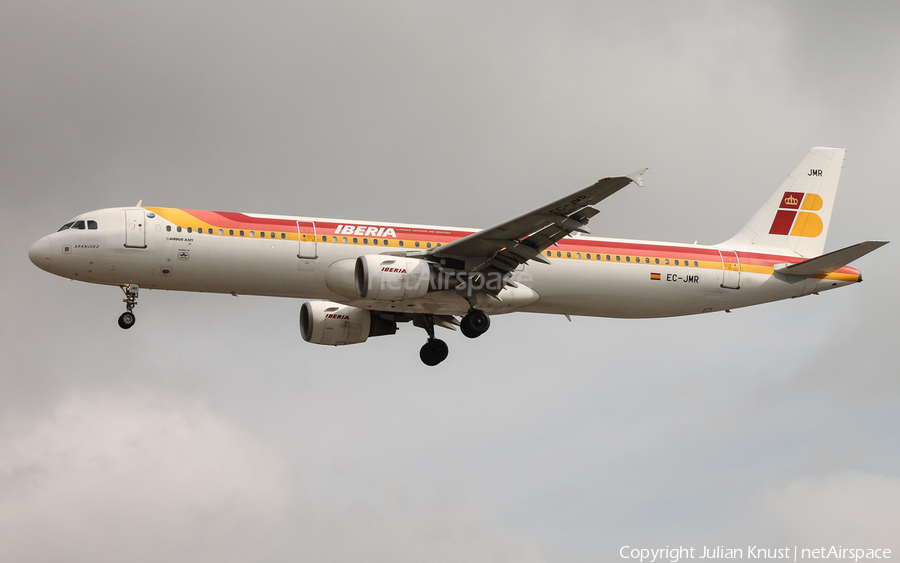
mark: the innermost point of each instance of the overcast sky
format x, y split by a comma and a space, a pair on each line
212, 432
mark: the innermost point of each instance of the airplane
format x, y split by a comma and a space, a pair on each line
362, 278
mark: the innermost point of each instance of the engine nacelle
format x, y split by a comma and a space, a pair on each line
327, 322
391, 278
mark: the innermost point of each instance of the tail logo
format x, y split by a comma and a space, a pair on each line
796, 217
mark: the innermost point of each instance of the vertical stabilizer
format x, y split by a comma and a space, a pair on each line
795, 219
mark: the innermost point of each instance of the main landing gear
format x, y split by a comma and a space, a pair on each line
435, 351
126, 319
475, 323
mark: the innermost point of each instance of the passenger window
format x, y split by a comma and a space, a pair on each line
231, 232
588, 255
607, 258
578, 255
696, 264
428, 244
375, 241
656, 260
324, 238
190, 230
66, 226
558, 254
549, 253
344, 240
241, 233
400, 243
365, 241
178, 229
385, 242
568, 254
628, 258
273, 235
92, 225
417, 244
333, 239
283, 235
168, 228
676, 262
252, 234
618, 258
667, 261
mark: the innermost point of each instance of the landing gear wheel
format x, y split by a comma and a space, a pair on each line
126, 319
475, 323
434, 352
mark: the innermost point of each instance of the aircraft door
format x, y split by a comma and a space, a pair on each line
307, 235
731, 269
135, 229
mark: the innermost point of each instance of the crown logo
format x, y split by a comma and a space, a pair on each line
791, 200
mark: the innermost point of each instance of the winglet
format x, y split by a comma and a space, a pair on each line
638, 177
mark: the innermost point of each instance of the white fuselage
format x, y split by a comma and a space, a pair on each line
202, 251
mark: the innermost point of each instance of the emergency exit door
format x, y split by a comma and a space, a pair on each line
731, 269
307, 235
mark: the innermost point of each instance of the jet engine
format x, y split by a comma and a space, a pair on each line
391, 278
327, 322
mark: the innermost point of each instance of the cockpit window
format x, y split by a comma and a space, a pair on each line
66, 226
92, 225
78, 225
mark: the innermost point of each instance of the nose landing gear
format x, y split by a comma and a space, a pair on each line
126, 319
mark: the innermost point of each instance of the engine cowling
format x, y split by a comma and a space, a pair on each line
391, 278
333, 324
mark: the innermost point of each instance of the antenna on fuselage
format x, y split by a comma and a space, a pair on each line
140, 201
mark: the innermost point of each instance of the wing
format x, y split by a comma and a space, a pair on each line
524, 238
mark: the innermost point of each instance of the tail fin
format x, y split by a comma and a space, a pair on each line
795, 219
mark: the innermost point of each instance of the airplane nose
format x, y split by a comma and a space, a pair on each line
39, 253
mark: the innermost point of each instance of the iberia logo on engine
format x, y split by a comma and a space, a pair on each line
795, 215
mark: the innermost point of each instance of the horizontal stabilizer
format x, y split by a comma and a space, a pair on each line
832, 261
